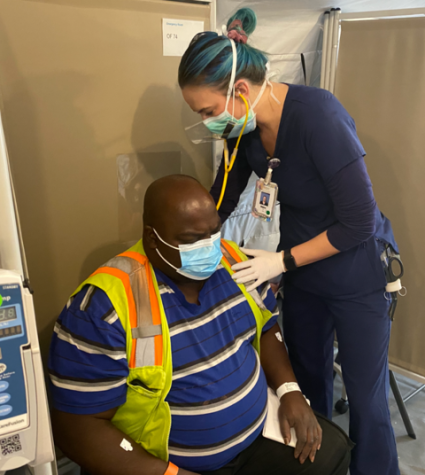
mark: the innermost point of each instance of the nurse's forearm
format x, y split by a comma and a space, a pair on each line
314, 250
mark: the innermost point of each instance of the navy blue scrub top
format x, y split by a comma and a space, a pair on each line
317, 139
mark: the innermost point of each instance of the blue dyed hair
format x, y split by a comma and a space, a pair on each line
209, 58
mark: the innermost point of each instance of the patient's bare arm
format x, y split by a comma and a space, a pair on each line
94, 443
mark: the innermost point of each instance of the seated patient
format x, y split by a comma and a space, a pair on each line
160, 362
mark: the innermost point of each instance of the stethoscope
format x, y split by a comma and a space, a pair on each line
228, 164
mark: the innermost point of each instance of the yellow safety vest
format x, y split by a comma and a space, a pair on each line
130, 283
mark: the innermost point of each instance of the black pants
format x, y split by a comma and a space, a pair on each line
264, 456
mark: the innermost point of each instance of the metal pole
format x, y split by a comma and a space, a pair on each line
401, 406
412, 394
329, 49
213, 27
384, 14
335, 45
324, 48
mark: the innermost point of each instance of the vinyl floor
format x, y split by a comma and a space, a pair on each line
411, 452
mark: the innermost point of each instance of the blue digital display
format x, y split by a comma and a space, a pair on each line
7, 314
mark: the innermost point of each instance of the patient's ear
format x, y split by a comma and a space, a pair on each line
150, 239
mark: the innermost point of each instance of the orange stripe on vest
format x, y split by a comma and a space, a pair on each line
156, 316
231, 251
124, 278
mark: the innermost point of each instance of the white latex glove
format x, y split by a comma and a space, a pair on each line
263, 267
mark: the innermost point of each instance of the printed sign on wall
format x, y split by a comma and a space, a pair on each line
177, 34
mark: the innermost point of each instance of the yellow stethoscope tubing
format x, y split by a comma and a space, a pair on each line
228, 166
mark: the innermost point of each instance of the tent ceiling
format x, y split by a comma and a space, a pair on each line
348, 6
293, 26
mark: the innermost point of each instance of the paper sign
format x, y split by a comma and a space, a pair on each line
177, 34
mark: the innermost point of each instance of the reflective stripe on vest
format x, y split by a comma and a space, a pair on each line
231, 256
130, 283
133, 270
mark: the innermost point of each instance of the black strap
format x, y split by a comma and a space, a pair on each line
288, 260
304, 69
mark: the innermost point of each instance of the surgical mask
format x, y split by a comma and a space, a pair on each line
199, 260
224, 125
217, 125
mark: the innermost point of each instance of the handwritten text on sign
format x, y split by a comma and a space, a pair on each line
177, 34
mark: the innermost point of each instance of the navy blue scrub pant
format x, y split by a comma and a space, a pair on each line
363, 332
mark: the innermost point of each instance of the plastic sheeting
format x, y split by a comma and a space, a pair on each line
284, 31
292, 27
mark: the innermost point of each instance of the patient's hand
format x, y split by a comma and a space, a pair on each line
295, 412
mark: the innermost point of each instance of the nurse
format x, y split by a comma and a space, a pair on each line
332, 232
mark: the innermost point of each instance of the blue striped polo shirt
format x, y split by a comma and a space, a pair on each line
219, 392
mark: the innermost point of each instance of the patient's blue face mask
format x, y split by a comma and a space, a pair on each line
199, 260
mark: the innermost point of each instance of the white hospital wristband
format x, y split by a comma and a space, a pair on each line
287, 388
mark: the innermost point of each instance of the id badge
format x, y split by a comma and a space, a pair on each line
265, 195
264, 199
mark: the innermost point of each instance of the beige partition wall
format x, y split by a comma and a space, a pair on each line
381, 81
81, 82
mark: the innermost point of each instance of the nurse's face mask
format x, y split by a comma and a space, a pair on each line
199, 259
222, 123
225, 125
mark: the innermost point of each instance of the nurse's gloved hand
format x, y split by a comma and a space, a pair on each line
265, 266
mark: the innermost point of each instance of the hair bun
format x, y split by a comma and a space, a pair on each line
247, 17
